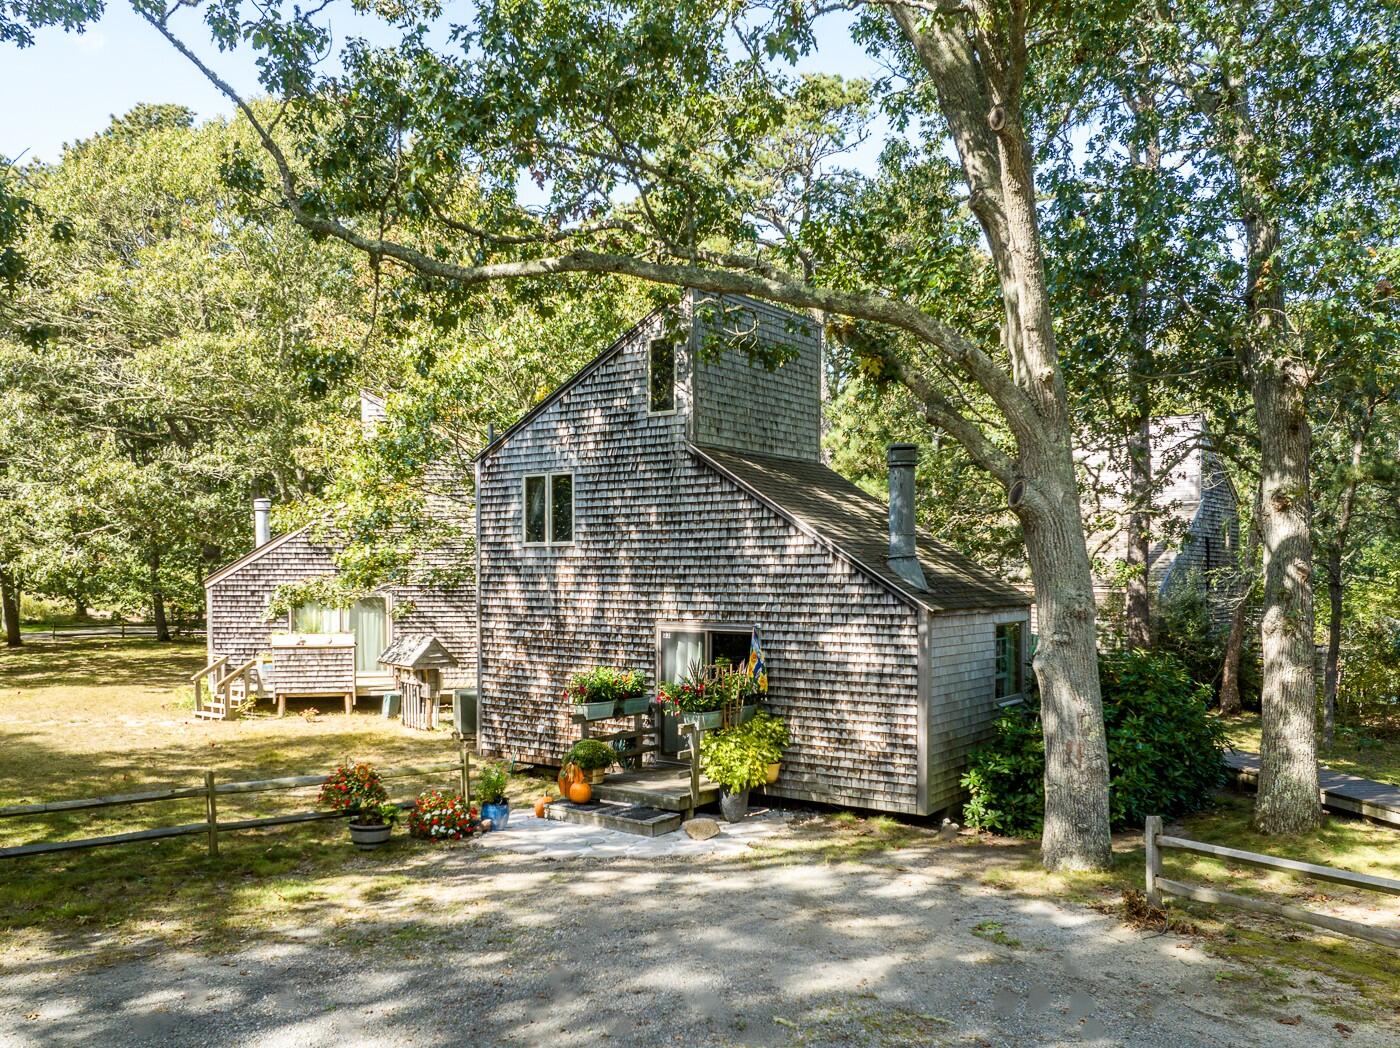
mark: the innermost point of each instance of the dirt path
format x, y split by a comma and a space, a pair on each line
461, 947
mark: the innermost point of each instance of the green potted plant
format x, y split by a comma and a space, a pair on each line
358, 789
592, 757
694, 700
607, 692
734, 760
770, 734
491, 790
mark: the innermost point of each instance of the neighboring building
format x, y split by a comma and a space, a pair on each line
1194, 523
667, 500
312, 641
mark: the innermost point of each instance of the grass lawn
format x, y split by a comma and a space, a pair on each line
1356, 751
97, 717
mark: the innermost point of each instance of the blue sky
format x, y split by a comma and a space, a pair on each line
84, 79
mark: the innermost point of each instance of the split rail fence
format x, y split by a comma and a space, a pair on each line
210, 791
1157, 885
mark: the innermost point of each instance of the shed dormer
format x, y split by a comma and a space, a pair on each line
737, 403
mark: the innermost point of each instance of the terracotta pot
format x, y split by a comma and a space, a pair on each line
580, 792
773, 771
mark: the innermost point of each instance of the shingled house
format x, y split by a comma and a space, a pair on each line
669, 498
325, 651
1194, 522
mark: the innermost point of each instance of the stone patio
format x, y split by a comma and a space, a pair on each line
562, 840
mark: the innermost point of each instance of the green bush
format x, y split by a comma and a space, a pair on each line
591, 754
1165, 750
1183, 627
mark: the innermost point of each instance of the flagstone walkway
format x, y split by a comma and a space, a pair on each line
548, 839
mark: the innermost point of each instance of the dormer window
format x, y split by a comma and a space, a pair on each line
661, 377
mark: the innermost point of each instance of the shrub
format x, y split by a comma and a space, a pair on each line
491, 783
1183, 627
590, 754
1165, 750
737, 758
440, 816
353, 787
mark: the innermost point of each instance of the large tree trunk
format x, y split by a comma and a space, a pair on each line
158, 600
9, 602
1076, 831
984, 116
1288, 799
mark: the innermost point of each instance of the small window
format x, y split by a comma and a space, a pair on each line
549, 509
661, 375
1009, 661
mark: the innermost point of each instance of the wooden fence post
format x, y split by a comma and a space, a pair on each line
465, 769
211, 804
1151, 831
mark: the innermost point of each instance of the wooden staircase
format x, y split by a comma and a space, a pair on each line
221, 693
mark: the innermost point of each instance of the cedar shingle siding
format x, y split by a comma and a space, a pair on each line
663, 536
237, 600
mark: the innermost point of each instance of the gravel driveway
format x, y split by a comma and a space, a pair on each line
468, 947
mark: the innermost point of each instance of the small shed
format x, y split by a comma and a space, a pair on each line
418, 662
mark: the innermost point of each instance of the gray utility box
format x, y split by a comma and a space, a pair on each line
464, 711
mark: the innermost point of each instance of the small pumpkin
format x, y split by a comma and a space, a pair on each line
539, 807
580, 792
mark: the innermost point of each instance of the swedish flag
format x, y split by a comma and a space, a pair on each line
758, 669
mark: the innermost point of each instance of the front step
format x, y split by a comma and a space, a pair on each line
639, 819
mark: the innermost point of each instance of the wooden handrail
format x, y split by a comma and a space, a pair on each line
209, 669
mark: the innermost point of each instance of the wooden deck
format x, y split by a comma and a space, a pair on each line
666, 787
1340, 791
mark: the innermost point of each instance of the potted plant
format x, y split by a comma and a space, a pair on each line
607, 692
733, 760
441, 816
358, 789
695, 700
592, 757
491, 788
771, 736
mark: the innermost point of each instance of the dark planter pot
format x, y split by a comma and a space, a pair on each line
499, 814
746, 712
598, 710
367, 838
627, 707
734, 806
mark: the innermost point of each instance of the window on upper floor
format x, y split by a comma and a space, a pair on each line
661, 376
1010, 662
549, 509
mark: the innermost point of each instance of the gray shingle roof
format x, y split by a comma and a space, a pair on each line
857, 525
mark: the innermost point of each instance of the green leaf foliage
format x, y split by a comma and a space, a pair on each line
1165, 750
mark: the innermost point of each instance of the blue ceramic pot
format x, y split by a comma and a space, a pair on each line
499, 814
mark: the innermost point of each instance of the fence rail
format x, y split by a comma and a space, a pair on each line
1158, 886
211, 791
115, 629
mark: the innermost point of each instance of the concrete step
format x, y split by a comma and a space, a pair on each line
640, 819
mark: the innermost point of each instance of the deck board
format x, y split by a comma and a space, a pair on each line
1340, 791
666, 787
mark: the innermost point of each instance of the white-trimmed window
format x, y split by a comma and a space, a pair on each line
548, 500
1010, 662
661, 376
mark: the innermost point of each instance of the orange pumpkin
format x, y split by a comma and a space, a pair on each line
568, 775
539, 807
580, 792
